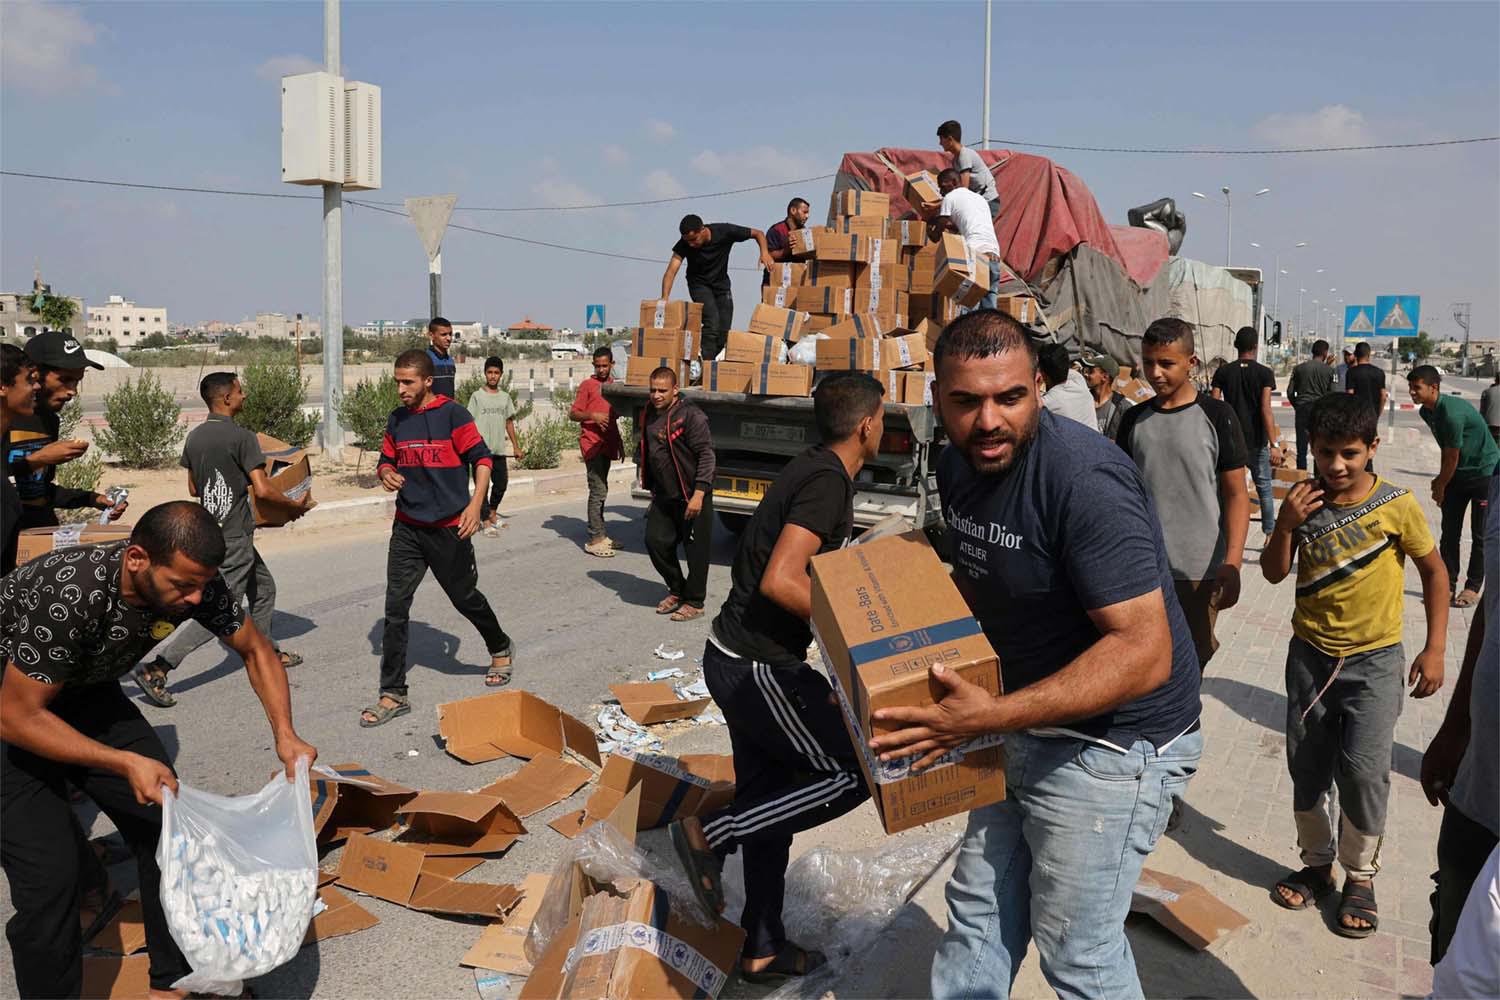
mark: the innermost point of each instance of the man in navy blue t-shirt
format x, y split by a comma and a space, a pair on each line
1057, 548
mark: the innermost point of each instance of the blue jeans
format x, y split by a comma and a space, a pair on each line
991, 298
1260, 472
1056, 862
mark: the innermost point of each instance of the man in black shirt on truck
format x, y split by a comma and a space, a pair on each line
706, 249
795, 767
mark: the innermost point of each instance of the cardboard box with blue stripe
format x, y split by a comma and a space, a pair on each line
884, 613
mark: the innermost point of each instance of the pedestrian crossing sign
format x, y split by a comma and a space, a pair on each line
1397, 315
593, 317
1359, 322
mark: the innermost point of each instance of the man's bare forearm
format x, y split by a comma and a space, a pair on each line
1112, 671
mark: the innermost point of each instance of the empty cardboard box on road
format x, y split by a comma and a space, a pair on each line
665, 314
884, 613
653, 342
511, 724
1185, 908
33, 542
670, 788
290, 471
754, 348
650, 702
855, 202
403, 875
348, 799
443, 824
769, 321
502, 946
728, 376
342, 916
543, 781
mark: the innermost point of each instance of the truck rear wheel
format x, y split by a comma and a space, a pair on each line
733, 523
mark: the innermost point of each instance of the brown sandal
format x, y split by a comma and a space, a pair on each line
669, 604
1467, 599
686, 613
498, 675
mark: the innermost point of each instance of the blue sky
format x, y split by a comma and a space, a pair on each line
552, 104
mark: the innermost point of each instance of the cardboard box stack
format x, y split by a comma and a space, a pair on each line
669, 337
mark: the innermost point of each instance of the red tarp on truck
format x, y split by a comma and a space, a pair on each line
1046, 211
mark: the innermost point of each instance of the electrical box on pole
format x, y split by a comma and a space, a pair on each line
312, 129
361, 136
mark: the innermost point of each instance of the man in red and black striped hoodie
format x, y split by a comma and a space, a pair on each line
430, 442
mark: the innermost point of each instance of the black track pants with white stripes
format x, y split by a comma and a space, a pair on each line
794, 769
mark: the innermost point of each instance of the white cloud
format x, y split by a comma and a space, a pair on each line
757, 165
42, 47
708, 162
290, 64
660, 184
1330, 125
659, 129
616, 156
558, 193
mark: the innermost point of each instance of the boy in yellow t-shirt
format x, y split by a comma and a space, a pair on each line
1352, 532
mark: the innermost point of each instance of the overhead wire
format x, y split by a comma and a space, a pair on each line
1270, 151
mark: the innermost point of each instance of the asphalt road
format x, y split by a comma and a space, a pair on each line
580, 624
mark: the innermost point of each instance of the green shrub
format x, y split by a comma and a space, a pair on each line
562, 398
543, 441
274, 397
143, 431
365, 409
81, 473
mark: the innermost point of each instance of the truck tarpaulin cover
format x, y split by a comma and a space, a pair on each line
1046, 211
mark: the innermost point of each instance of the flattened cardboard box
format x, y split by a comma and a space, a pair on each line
117, 978
511, 724
638, 369
502, 946
728, 376
769, 321
126, 933
855, 202
653, 342
669, 789
290, 471
33, 542
543, 781
343, 916
1185, 908
402, 875
442, 824
883, 613
787, 274
651, 702
348, 799
666, 314
753, 348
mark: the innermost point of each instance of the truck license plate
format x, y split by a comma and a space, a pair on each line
740, 488
772, 432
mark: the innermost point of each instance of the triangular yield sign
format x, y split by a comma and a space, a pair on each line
430, 215
1362, 323
1397, 319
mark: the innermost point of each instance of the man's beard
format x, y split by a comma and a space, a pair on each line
146, 587
1019, 443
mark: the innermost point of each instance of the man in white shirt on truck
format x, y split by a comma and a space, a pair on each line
966, 213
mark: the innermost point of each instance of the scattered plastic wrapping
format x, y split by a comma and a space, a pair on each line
115, 494
618, 731
668, 651
711, 716
692, 692
805, 351
839, 901
239, 879
602, 855
665, 674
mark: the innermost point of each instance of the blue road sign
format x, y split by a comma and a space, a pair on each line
1359, 322
1397, 315
593, 317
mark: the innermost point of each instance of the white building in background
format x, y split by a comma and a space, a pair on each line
124, 322
17, 319
280, 326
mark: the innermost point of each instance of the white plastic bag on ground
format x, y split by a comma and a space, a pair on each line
238, 879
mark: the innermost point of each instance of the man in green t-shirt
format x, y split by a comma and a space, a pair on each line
495, 415
1462, 483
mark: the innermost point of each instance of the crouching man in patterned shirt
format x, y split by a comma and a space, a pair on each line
75, 622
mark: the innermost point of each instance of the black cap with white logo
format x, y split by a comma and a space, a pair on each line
56, 349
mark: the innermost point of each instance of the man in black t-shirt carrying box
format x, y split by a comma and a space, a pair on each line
794, 766
1057, 548
706, 249
224, 465
75, 622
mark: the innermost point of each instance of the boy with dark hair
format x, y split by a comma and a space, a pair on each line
444, 368
676, 464
794, 765
1191, 454
599, 443
1469, 457
972, 172
430, 442
706, 249
1246, 385
1351, 532
779, 236
224, 467
494, 413
1310, 382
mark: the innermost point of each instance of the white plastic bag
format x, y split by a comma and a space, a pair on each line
805, 351
239, 878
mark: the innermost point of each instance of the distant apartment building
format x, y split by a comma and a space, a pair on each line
387, 328
17, 319
124, 322
279, 326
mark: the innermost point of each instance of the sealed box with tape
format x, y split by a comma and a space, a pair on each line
665, 314
853, 202
884, 613
769, 321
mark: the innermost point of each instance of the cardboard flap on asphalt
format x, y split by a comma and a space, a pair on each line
1185, 908
348, 799
502, 946
403, 875
668, 788
511, 724
126, 933
545, 780
441, 823
343, 916
655, 701
117, 978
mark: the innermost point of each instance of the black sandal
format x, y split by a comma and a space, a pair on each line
289, 660
790, 962
1306, 884
704, 868
1358, 901
152, 679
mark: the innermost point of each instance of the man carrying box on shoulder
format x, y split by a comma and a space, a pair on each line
794, 765
1100, 711
966, 213
779, 236
706, 249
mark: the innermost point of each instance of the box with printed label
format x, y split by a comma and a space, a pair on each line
831, 273
853, 202
781, 380
754, 348
891, 382
826, 300
787, 273
882, 276
921, 189
665, 314
671, 788
651, 342
905, 350
780, 296
862, 225
882, 299
965, 281
884, 613
908, 232
1020, 307
938, 309
727, 376
861, 325
769, 321
639, 369
290, 472
849, 354
917, 388
825, 244
33, 542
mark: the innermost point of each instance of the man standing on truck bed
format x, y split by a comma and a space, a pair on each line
779, 236
972, 173
706, 249
676, 464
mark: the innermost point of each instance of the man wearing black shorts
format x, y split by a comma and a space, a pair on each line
794, 765
76, 621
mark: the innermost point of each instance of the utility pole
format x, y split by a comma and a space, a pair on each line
988, 20
1461, 312
299, 347
333, 267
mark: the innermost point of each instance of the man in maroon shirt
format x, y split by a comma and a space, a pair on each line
599, 441
779, 236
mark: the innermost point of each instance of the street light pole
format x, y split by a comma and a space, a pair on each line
987, 35
333, 268
1277, 272
1228, 217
